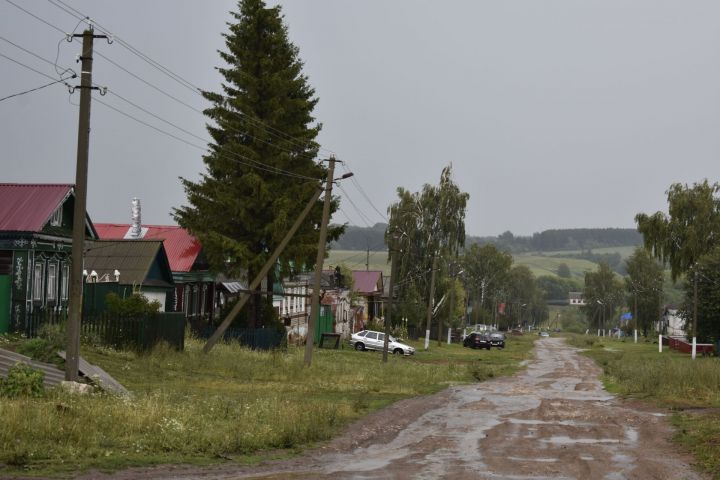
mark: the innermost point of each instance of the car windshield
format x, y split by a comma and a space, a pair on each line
391, 338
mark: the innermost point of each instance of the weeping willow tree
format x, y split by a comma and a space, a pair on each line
689, 231
425, 226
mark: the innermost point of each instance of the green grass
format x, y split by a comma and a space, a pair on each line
624, 251
356, 259
230, 404
668, 379
539, 264
546, 265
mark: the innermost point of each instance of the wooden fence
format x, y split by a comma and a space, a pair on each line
255, 338
139, 333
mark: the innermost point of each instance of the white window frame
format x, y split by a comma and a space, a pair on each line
65, 282
52, 281
38, 281
56, 219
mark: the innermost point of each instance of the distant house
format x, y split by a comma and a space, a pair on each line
576, 299
126, 267
291, 300
672, 324
35, 248
369, 288
195, 286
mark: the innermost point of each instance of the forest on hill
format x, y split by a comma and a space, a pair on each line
577, 239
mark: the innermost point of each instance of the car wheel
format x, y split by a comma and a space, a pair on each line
398, 351
359, 347
487, 348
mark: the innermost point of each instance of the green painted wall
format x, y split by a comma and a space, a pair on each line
5, 283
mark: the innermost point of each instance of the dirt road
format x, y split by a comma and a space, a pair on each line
552, 421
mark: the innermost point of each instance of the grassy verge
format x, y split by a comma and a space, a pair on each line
668, 379
230, 404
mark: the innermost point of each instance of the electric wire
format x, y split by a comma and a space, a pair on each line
176, 77
257, 165
365, 195
187, 132
363, 217
182, 81
81, 17
20, 47
31, 90
260, 165
35, 16
30, 68
191, 107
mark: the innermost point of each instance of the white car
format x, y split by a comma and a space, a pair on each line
371, 340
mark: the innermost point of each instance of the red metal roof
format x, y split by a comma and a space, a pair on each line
182, 248
28, 207
367, 281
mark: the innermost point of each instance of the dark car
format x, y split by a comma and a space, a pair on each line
477, 340
497, 339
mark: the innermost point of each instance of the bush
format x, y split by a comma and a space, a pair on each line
132, 306
44, 348
22, 381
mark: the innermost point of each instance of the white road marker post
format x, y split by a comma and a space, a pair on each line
660, 343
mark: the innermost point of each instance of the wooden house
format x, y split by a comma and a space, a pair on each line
35, 249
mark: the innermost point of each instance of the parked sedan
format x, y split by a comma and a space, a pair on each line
544, 334
477, 340
371, 340
497, 339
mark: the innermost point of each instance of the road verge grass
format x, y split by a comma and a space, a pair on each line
233, 404
669, 379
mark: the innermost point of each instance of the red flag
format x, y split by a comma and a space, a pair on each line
501, 308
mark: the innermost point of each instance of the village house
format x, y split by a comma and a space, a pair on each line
127, 267
196, 292
35, 249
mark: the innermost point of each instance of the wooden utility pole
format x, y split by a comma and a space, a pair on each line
315, 301
72, 347
388, 314
260, 276
431, 300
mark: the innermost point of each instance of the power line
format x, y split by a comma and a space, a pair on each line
259, 165
255, 164
82, 17
29, 67
19, 47
363, 217
32, 90
174, 76
35, 16
365, 195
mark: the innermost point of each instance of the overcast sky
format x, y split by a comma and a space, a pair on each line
554, 113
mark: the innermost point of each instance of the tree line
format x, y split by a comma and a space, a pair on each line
582, 239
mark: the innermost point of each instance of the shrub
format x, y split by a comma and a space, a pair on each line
22, 381
132, 306
44, 348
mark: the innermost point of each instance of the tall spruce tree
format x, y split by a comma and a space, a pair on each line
260, 122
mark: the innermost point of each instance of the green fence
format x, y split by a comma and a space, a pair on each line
139, 333
254, 338
324, 322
